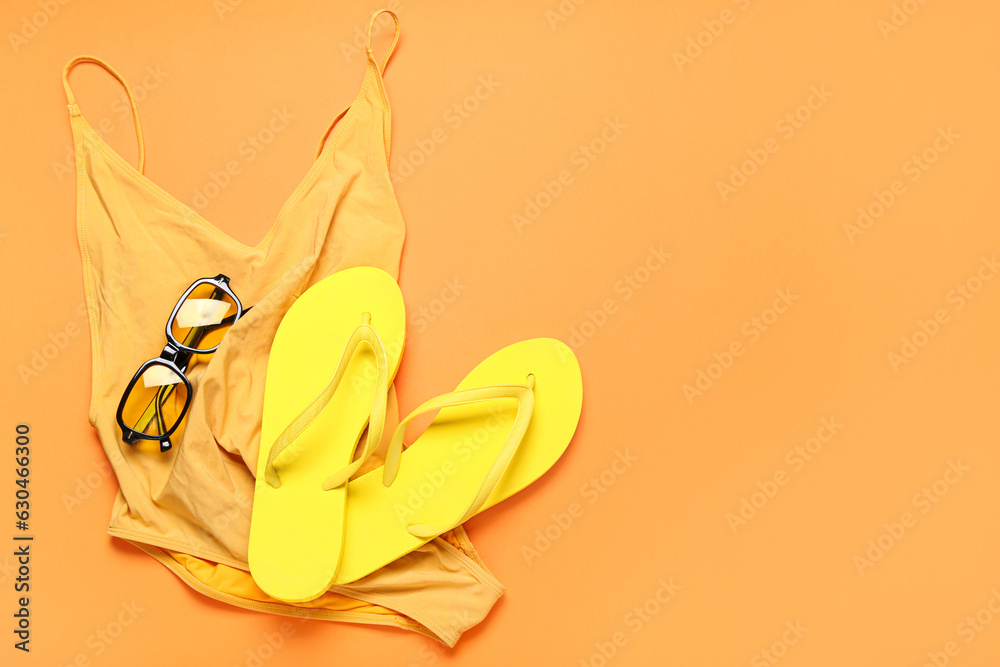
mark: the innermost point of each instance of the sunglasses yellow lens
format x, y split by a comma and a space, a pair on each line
155, 404
203, 318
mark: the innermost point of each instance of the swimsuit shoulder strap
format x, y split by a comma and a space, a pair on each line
380, 69
395, 37
74, 110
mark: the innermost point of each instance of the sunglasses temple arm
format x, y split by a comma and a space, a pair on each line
153, 411
160, 398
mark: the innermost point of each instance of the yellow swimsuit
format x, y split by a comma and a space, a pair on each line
190, 507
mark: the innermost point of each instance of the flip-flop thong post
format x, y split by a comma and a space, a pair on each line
332, 359
503, 427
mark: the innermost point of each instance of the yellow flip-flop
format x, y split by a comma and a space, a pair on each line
331, 362
504, 426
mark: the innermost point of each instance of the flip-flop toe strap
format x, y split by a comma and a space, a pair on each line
524, 394
363, 334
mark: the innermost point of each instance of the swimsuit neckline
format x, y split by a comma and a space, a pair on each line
189, 213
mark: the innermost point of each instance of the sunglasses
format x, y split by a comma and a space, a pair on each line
158, 396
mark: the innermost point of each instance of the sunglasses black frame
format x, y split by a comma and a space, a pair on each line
176, 356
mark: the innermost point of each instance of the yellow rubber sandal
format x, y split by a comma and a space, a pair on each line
333, 357
503, 427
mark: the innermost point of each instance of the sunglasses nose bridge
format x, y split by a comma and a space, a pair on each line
169, 353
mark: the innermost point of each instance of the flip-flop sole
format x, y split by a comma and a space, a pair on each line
441, 472
297, 529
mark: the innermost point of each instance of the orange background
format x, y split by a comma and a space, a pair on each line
682, 128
